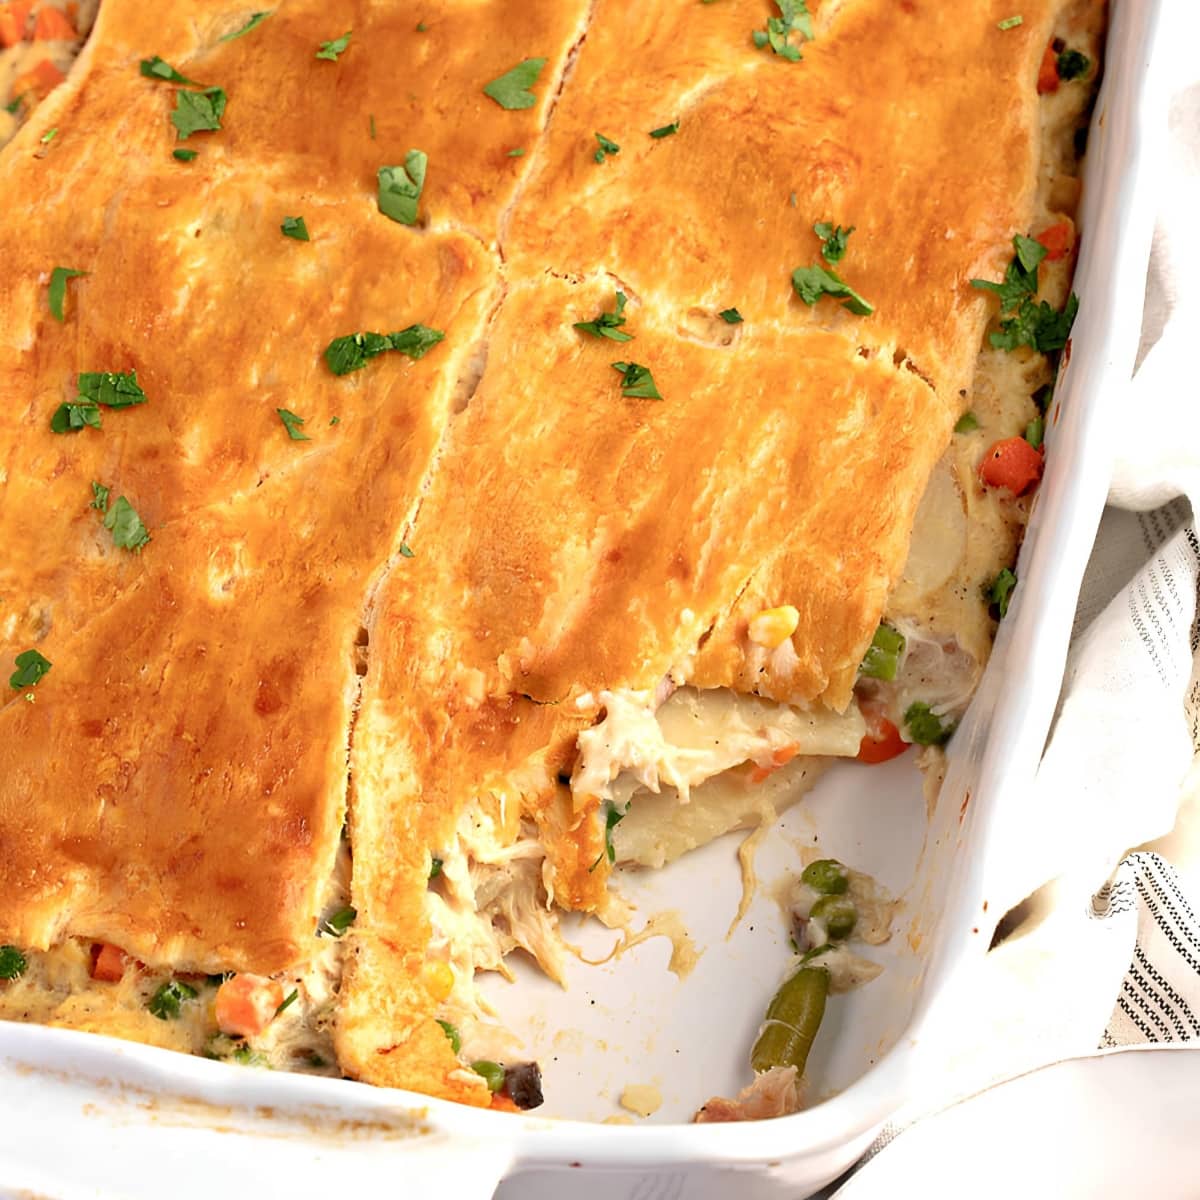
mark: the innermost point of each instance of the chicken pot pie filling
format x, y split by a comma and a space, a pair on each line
672, 630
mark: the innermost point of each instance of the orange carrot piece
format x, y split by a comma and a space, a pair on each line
246, 1004
1058, 240
13, 18
1048, 72
881, 744
108, 965
53, 25
41, 80
1013, 464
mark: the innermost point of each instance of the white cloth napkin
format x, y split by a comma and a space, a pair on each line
1108, 953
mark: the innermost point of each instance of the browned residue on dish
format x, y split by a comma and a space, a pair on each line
668, 924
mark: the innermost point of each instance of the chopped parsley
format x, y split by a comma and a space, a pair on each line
833, 240
731, 316
70, 418
294, 227
607, 324
1073, 65
517, 152
113, 390
511, 90
1035, 432
925, 726
291, 999
329, 51
256, 19
1010, 22
184, 155
99, 497
636, 381
400, 188
793, 18
198, 112
1024, 322
165, 1002
159, 68
811, 283
999, 592
665, 130
337, 924
966, 423
293, 424
452, 1033
128, 531
49, 136
14, 105
58, 288
613, 816
352, 352
435, 867
12, 963
607, 146
31, 667
406, 551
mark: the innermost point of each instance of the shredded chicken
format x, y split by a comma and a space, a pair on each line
774, 1093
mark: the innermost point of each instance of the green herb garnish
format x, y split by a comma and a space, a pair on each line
31, 666
294, 227
99, 497
184, 155
58, 288
291, 999
1023, 322
49, 136
793, 18
833, 240
613, 816
636, 381
730, 316
665, 130
329, 51
511, 90
607, 146
111, 389
400, 188
70, 418
406, 551
999, 592
435, 867
165, 1002
1010, 23
925, 726
337, 924
293, 424
256, 19
452, 1033
811, 283
126, 527
607, 324
355, 350
12, 963
159, 68
517, 152
198, 112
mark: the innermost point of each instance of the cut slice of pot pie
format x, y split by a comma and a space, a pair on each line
549, 462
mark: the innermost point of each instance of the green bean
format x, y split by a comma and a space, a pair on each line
826, 876
792, 1020
837, 914
492, 1072
882, 659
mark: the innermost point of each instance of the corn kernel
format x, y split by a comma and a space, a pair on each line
439, 979
773, 626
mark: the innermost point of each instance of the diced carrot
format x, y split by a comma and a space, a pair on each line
108, 962
1013, 464
13, 18
1048, 72
1058, 240
881, 744
53, 25
246, 1004
779, 758
41, 80
502, 1103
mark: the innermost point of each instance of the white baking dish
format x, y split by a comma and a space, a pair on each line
130, 1114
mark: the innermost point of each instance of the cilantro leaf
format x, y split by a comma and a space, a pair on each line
607, 146
291, 999
292, 424
256, 19
636, 381
12, 963
126, 527
606, 324
1020, 281
1010, 23
998, 593
294, 227
58, 289
731, 316
329, 51
70, 418
793, 18
352, 352
665, 130
406, 551
435, 867
925, 726
400, 188
49, 136
511, 90
184, 155
159, 68
1038, 326
452, 1033
337, 923
113, 389
1072, 65
198, 112
31, 666
613, 816
811, 283
165, 1002
833, 240
99, 496
1030, 252
517, 152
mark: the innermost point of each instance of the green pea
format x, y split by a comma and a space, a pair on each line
837, 914
793, 1018
826, 876
492, 1072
